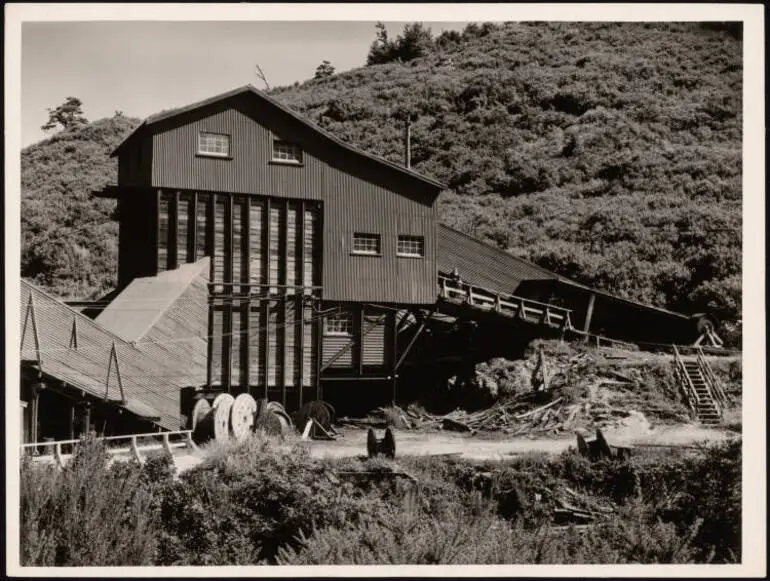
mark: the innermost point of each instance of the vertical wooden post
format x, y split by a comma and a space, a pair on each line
266, 289
173, 234
210, 340
210, 243
72, 421
156, 258
300, 246
358, 348
318, 331
395, 357
284, 237
192, 241
589, 314
246, 276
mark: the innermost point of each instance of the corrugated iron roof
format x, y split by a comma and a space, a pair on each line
151, 380
251, 90
134, 311
482, 264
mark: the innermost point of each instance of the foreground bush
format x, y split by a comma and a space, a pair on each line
88, 514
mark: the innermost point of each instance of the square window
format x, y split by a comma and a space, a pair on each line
339, 324
366, 243
285, 151
412, 246
214, 144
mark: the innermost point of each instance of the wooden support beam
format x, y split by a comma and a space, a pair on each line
300, 313
358, 352
284, 278
395, 358
158, 194
246, 312
589, 313
210, 343
412, 341
32, 317
317, 328
173, 232
192, 241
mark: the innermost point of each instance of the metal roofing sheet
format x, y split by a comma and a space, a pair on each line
482, 264
151, 380
134, 311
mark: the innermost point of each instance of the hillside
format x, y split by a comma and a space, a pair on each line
619, 168
69, 240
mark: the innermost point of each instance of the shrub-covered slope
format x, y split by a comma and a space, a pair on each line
69, 240
608, 152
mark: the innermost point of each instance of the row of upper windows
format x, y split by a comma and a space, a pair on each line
371, 245
218, 145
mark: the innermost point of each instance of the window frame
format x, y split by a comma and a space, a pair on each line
216, 154
341, 316
410, 238
359, 236
299, 160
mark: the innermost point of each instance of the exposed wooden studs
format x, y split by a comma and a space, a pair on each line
413, 340
395, 358
358, 329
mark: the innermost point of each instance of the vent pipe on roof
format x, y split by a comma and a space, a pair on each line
408, 142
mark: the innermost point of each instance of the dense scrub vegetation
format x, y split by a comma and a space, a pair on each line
69, 239
617, 166
263, 502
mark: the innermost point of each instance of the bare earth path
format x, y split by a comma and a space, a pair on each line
477, 447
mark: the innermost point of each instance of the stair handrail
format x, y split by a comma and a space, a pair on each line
447, 284
685, 382
715, 386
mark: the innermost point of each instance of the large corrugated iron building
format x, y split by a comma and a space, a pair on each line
259, 253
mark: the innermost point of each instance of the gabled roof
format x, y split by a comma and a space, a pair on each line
134, 311
264, 99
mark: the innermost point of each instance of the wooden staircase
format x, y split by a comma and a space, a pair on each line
703, 392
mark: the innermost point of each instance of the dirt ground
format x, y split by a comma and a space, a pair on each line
352, 443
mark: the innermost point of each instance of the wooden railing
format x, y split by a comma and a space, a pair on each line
684, 380
132, 444
714, 385
510, 305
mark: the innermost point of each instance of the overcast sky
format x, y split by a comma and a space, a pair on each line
140, 68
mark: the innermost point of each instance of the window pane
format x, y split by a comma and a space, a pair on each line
285, 151
339, 324
214, 144
366, 243
411, 246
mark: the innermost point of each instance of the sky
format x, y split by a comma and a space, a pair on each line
141, 68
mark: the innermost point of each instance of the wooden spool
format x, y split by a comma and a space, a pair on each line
201, 421
242, 416
221, 412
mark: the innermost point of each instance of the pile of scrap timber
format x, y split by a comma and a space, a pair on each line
515, 416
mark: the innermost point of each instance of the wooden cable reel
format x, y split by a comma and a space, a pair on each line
197, 421
242, 416
221, 407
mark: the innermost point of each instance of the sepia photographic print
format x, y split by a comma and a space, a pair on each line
478, 287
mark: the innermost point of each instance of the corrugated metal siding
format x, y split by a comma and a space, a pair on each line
332, 345
358, 196
147, 375
483, 265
